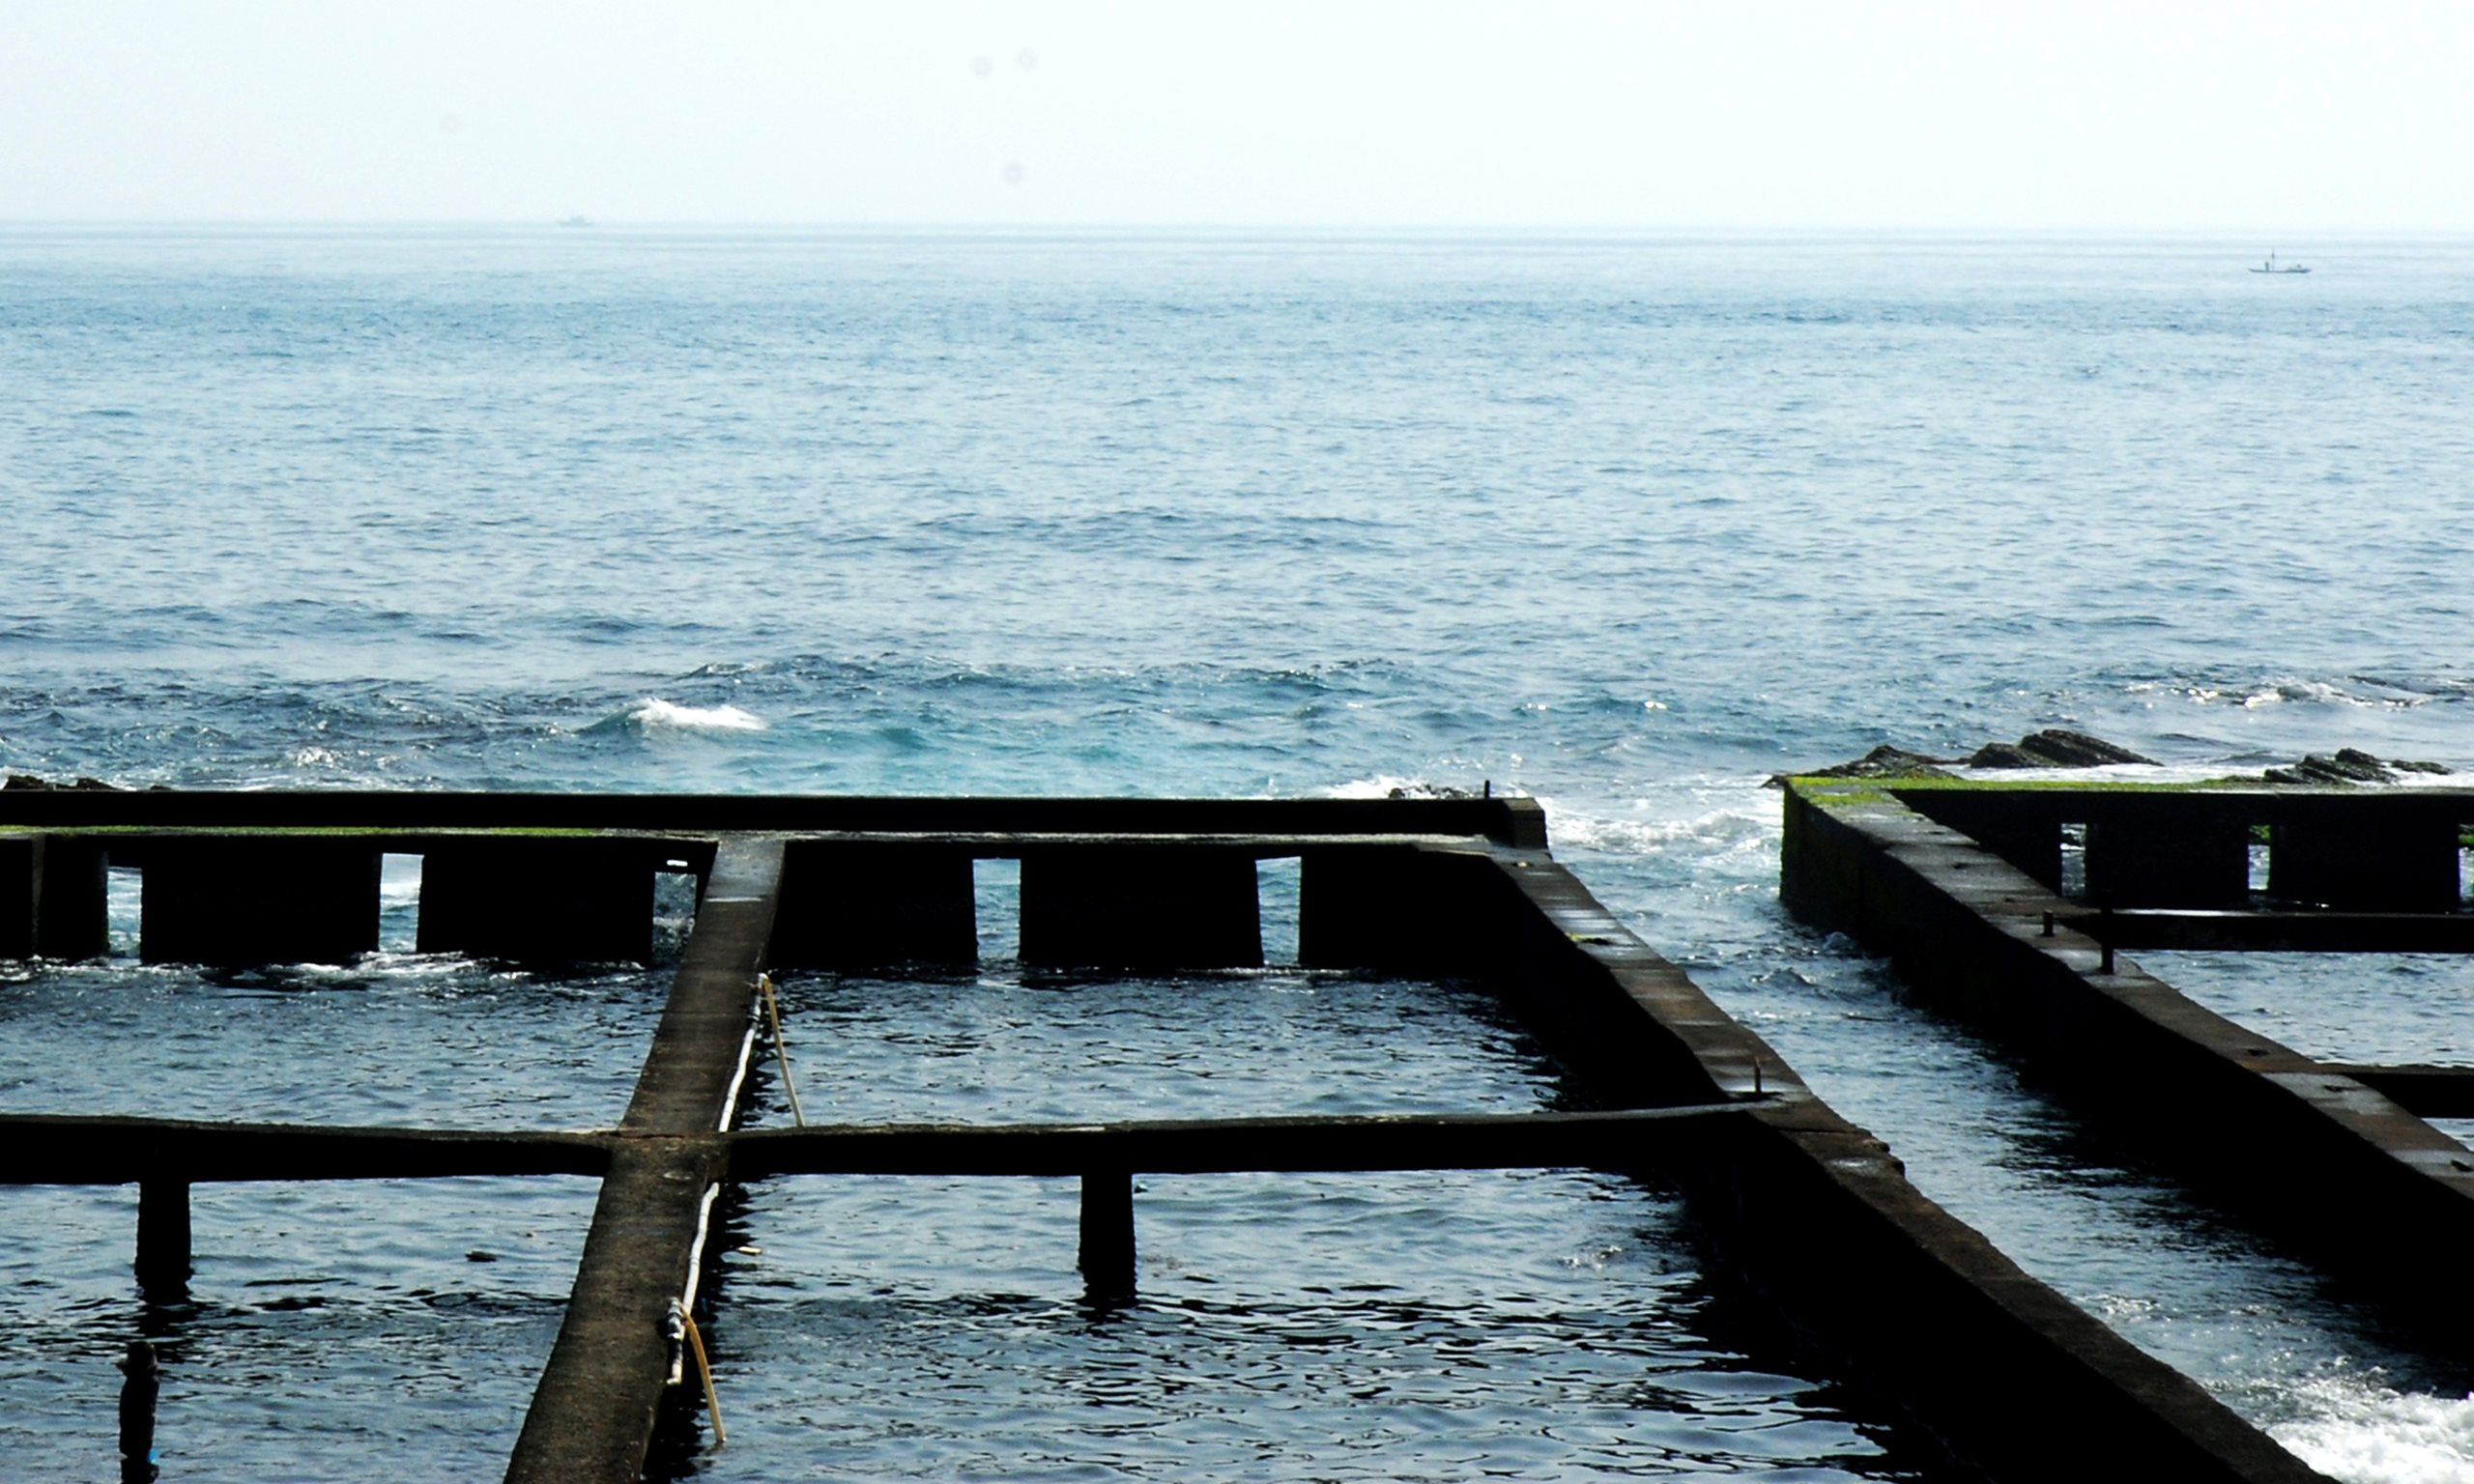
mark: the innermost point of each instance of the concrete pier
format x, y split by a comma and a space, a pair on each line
1396, 908
2402, 865
2199, 863
851, 904
1106, 1254
52, 896
539, 900
594, 1411
163, 1251
232, 901
20, 884
1143, 907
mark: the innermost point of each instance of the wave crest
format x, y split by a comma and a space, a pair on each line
654, 714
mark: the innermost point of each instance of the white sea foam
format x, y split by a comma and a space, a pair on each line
1713, 832
2365, 1434
1382, 785
653, 712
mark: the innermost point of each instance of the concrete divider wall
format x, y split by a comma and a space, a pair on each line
52, 896
20, 889
1877, 1282
2364, 849
548, 899
867, 904
2308, 1152
234, 901
1148, 907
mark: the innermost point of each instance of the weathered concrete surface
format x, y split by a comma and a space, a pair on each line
1141, 908
2370, 1189
2426, 1092
231, 901
49, 1150
594, 1411
2289, 933
858, 904
1219, 1146
1510, 821
1887, 1290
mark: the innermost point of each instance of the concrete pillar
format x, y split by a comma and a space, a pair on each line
539, 900
1389, 907
860, 904
69, 906
2168, 863
164, 1238
19, 874
1107, 1255
2365, 866
240, 900
1141, 908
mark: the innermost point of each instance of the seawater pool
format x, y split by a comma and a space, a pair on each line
1528, 1325
1431, 1326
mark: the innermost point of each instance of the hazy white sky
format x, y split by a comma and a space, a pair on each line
2277, 116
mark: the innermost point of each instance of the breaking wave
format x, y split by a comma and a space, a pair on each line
654, 714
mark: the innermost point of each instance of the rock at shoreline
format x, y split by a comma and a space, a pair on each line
1883, 761
2351, 766
2053, 748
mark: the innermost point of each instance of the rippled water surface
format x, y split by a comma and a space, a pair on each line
1626, 525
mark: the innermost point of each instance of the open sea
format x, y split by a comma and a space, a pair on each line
1625, 524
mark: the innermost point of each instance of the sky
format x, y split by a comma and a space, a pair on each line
2176, 115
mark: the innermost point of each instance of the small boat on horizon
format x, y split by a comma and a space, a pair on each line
586, 221
2272, 267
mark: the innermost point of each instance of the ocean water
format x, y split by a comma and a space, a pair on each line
1627, 525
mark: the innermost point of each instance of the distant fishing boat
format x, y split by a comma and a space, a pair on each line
2273, 266
586, 221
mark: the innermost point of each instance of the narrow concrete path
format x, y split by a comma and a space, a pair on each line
593, 1414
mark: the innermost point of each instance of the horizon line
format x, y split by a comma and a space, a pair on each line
579, 221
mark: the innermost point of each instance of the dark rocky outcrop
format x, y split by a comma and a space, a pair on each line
2348, 767
22, 782
2054, 747
1883, 761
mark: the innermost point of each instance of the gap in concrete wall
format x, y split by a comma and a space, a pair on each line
673, 911
2464, 867
998, 886
124, 910
1277, 884
2073, 862
399, 903
2258, 879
